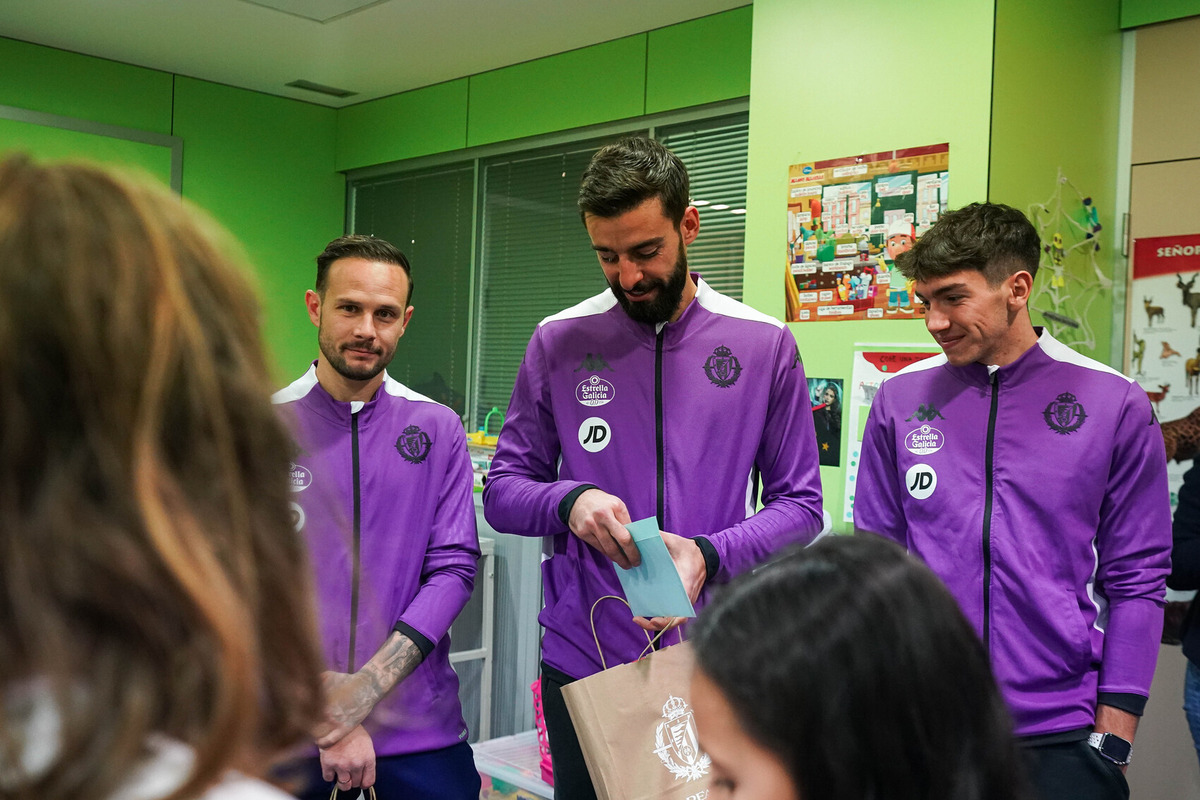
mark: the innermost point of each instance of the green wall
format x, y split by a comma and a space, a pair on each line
831, 80
1147, 12
263, 165
1056, 98
692, 63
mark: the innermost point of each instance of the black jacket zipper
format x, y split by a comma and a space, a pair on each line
658, 427
357, 541
994, 380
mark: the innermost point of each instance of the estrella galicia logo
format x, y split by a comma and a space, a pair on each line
593, 362
925, 413
414, 444
924, 440
595, 391
299, 477
1065, 414
722, 367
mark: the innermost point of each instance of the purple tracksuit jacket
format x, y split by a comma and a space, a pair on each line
688, 422
1038, 493
383, 493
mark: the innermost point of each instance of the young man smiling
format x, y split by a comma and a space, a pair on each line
1033, 481
384, 498
661, 398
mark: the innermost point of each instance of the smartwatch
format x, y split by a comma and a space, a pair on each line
1111, 747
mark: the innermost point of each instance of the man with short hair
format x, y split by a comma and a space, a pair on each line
661, 398
1033, 481
384, 496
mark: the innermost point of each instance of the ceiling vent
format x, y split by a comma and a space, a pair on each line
317, 10
331, 91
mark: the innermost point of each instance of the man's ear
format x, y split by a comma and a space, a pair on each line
312, 301
1021, 289
689, 226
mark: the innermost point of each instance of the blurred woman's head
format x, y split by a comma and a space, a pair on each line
152, 580
845, 671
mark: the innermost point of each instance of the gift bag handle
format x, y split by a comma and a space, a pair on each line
649, 641
370, 792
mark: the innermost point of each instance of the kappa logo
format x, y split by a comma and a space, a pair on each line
299, 478
722, 367
799, 362
595, 391
1064, 414
925, 413
298, 517
676, 743
594, 434
593, 362
414, 444
920, 480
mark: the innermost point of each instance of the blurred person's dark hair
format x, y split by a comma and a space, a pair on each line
153, 581
852, 664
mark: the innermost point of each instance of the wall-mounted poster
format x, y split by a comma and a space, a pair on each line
1164, 343
871, 368
825, 395
848, 218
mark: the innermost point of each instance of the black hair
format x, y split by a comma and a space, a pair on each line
357, 245
623, 175
995, 239
852, 663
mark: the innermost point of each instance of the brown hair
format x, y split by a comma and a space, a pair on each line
994, 239
152, 578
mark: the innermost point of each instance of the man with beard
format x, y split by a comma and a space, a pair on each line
383, 489
661, 398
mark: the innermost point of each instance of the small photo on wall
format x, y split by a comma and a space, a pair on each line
825, 395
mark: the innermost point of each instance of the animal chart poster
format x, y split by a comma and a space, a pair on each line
1164, 343
871, 368
848, 218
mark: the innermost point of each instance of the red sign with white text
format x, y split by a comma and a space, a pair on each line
1165, 255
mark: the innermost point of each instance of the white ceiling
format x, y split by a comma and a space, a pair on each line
371, 47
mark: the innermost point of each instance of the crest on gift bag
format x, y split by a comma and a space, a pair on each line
676, 739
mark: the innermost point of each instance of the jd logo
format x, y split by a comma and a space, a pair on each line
925, 413
594, 434
920, 480
297, 515
593, 362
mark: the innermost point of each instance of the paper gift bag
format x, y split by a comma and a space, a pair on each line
636, 730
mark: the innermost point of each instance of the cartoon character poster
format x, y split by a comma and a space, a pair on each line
825, 395
848, 219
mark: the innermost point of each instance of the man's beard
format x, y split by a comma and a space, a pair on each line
333, 355
665, 303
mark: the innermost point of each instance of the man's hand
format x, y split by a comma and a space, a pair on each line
1115, 721
348, 700
599, 519
689, 561
351, 762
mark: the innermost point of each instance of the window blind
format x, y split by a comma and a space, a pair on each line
715, 154
428, 215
